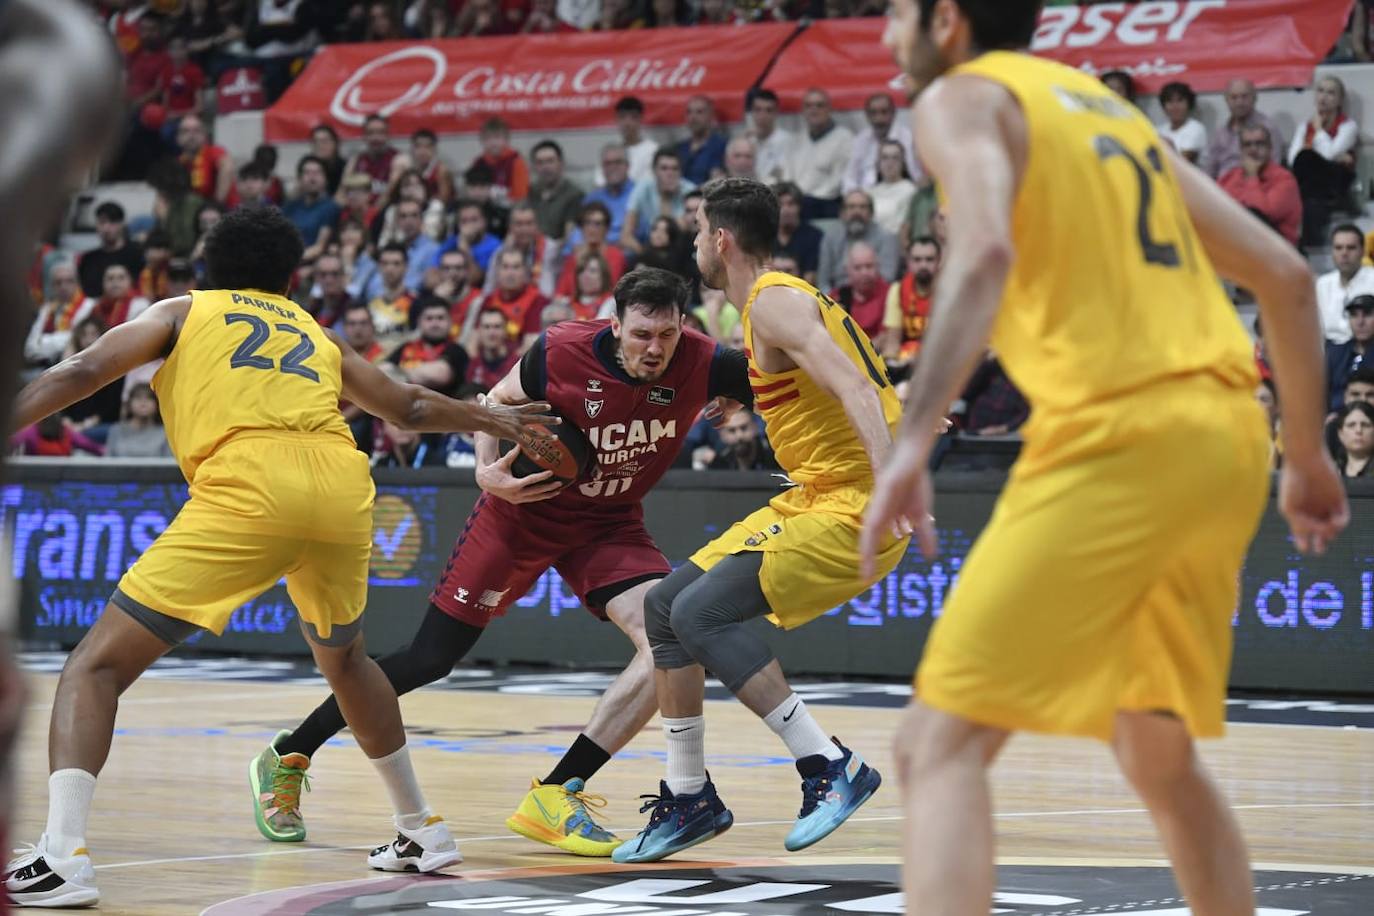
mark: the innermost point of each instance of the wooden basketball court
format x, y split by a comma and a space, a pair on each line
173, 831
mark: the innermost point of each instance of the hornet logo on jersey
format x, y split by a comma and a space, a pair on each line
755, 540
594, 385
593, 407
462, 595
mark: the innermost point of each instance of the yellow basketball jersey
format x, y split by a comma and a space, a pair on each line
808, 429
247, 360
1111, 289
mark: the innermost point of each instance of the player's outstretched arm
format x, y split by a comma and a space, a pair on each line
787, 319
1251, 254
418, 408
114, 353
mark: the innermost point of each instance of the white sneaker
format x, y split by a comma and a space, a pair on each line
37, 877
428, 849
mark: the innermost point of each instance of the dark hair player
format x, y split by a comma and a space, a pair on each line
633, 385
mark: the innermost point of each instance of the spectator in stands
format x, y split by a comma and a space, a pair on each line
516, 298
494, 355
181, 277
741, 158
1180, 128
210, 167
1224, 153
1348, 279
614, 189
481, 17
864, 166
279, 36
666, 13
209, 213
702, 153
94, 413
774, 145
115, 248
555, 312
472, 234
382, 23
1344, 359
543, 19
377, 159
251, 188
205, 32
409, 186
856, 225
718, 317
893, 190
312, 211
1120, 82
145, 65
388, 296
458, 286
539, 254
908, 302
478, 185
176, 208
666, 249
394, 447
1266, 188
786, 263
1322, 157
593, 222
638, 149
590, 294
421, 250
820, 157
356, 191
360, 333
324, 146
424, 158
63, 310
664, 196
1355, 423
864, 295
53, 437
1359, 386
358, 262
139, 432
797, 237
745, 448
119, 300
991, 405
616, 15
157, 254
510, 177
431, 358
556, 200
331, 298
179, 86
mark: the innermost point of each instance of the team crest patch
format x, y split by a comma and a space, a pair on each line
758, 538
593, 407
661, 395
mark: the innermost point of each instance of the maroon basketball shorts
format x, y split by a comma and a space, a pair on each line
504, 549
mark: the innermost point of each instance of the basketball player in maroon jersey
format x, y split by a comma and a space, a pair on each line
634, 384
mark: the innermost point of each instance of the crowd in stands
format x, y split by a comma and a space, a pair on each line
444, 273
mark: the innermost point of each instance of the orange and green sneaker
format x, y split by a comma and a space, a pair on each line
277, 782
558, 815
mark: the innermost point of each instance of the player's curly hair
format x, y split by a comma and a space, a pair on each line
650, 290
997, 25
253, 248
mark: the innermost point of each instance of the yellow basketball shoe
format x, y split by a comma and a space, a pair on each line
558, 815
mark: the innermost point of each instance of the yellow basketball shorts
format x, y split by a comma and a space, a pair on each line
1107, 578
810, 544
264, 506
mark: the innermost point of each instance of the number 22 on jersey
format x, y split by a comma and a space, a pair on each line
246, 356
1150, 179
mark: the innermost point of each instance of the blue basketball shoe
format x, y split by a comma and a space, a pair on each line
831, 791
677, 822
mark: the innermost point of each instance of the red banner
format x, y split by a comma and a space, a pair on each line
1205, 43
535, 82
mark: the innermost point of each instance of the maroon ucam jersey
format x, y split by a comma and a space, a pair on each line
636, 428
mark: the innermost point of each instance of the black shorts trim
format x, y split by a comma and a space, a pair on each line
169, 629
598, 598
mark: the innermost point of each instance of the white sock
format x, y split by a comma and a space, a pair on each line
69, 808
792, 722
686, 754
406, 798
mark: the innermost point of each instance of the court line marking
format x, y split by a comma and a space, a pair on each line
874, 818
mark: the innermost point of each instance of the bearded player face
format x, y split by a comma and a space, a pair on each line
709, 261
914, 45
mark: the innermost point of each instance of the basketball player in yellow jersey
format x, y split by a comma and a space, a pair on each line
249, 393
1098, 601
830, 410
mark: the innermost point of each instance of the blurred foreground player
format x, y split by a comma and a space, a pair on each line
59, 121
634, 385
249, 394
1098, 600
825, 397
